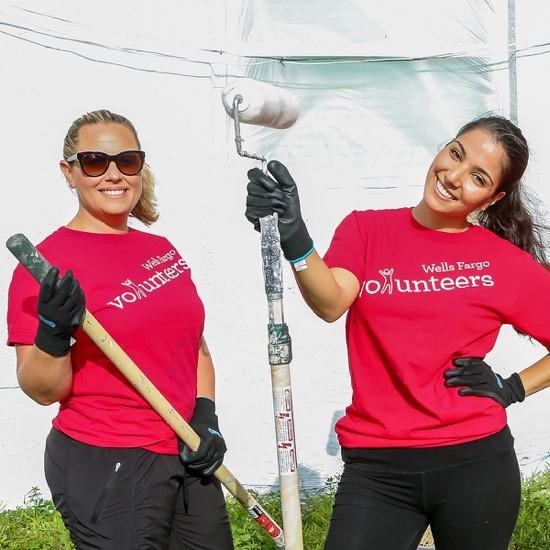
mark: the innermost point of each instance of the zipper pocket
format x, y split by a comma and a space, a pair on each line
104, 493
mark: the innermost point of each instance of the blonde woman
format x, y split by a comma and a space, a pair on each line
113, 465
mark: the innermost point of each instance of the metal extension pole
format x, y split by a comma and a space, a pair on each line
280, 355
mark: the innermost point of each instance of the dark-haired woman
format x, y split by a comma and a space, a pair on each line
111, 461
425, 439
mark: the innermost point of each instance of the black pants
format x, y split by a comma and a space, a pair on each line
133, 499
469, 494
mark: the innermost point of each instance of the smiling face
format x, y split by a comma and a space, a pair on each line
463, 177
105, 201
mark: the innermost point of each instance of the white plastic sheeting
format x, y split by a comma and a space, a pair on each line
381, 28
381, 86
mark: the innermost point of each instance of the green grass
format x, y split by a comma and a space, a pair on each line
316, 510
34, 526
532, 530
37, 526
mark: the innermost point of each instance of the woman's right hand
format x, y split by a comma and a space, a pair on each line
328, 292
278, 193
60, 311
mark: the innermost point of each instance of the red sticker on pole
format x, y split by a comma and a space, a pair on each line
265, 521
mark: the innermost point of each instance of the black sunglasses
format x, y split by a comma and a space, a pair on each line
96, 163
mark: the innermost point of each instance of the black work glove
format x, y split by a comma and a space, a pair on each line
60, 312
480, 380
278, 194
209, 456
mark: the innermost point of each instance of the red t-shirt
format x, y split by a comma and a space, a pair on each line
427, 297
140, 289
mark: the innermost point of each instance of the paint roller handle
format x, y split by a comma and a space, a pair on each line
277, 192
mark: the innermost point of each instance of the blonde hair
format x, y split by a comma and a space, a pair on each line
146, 209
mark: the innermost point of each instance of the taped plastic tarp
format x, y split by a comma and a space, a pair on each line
378, 28
373, 124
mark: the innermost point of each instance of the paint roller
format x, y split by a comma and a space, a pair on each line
261, 104
258, 103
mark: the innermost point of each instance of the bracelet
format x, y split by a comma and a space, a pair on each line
300, 263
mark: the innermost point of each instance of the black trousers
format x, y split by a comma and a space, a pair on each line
469, 494
133, 499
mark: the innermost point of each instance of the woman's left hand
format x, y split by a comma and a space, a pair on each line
209, 456
480, 380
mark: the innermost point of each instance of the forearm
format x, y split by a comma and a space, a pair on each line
206, 380
43, 377
328, 292
537, 376
209, 456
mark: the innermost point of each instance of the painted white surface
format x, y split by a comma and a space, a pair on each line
350, 149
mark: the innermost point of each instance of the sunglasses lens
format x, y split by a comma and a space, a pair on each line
94, 164
130, 162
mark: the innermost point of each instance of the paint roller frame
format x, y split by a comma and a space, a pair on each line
280, 355
237, 100
20, 246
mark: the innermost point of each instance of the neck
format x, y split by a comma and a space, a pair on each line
440, 222
84, 221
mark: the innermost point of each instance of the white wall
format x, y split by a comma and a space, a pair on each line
365, 137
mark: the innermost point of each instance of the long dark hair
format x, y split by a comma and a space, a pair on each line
515, 216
